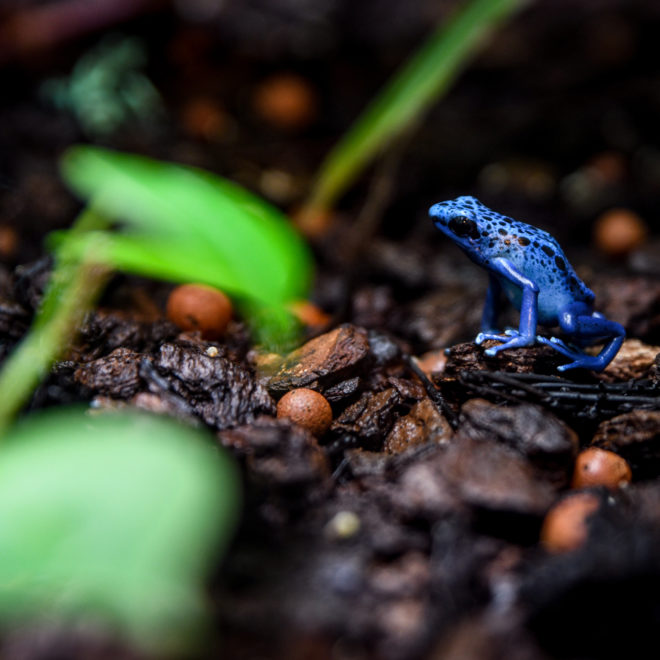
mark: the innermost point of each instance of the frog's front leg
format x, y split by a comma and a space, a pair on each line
526, 333
584, 326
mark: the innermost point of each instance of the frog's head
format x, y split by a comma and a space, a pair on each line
461, 220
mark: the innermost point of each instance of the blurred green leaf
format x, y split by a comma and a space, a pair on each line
184, 224
421, 81
112, 518
71, 292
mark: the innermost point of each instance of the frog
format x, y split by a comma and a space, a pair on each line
526, 265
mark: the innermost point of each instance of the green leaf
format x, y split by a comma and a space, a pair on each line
188, 225
421, 81
112, 518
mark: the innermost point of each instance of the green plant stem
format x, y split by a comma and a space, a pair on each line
424, 78
73, 289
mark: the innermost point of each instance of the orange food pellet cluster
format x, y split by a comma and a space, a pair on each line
307, 408
599, 467
197, 307
565, 525
618, 232
286, 101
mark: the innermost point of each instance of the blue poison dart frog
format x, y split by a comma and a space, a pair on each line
528, 265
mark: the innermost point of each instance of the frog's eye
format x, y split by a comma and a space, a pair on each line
462, 226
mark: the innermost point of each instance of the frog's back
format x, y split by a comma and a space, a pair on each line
540, 258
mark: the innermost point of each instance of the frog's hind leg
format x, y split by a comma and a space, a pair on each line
584, 326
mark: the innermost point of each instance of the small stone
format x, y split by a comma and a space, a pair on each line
599, 467
278, 185
197, 307
618, 232
565, 526
306, 408
343, 525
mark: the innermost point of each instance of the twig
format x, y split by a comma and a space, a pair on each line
579, 399
432, 391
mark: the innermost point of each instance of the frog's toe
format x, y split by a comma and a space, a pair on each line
483, 336
561, 347
570, 365
494, 350
512, 341
576, 364
592, 362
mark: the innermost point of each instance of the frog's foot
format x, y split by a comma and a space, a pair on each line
580, 360
511, 339
493, 334
560, 346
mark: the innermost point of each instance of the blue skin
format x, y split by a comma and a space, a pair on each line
528, 265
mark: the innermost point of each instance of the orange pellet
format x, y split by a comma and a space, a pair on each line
618, 232
308, 313
286, 101
313, 223
197, 307
307, 408
8, 241
565, 526
599, 467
